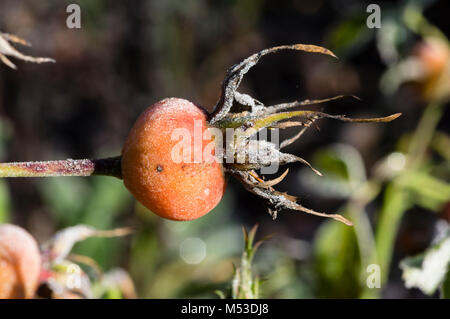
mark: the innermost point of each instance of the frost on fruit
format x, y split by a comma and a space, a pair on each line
6, 49
248, 116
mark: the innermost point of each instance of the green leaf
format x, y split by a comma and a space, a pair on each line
65, 197
396, 202
106, 200
337, 261
429, 191
4, 203
342, 168
351, 34
445, 289
428, 270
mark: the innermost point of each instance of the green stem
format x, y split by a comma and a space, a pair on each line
424, 133
396, 201
69, 167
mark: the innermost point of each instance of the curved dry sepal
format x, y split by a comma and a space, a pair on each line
255, 154
271, 182
247, 100
236, 73
284, 106
310, 119
6, 49
253, 124
59, 246
276, 201
258, 123
306, 125
251, 107
384, 119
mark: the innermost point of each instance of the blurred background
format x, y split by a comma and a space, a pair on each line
391, 179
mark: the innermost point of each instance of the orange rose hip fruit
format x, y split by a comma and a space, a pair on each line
159, 174
20, 263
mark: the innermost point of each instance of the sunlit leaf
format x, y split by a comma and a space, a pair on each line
428, 271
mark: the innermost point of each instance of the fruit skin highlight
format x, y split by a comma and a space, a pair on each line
174, 190
20, 263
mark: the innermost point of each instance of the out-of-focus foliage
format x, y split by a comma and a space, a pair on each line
54, 271
245, 284
409, 177
4, 192
96, 204
429, 270
197, 253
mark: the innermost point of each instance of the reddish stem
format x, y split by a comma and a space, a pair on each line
69, 167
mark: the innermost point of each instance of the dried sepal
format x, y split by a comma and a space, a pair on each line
286, 124
248, 116
291, 140
274, 181
250, 154
59, 246
247, 100
284, 106
275, 200
6, 49
254, 124
236, 73
253, 154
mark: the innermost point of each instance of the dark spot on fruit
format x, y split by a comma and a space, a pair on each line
159, 168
